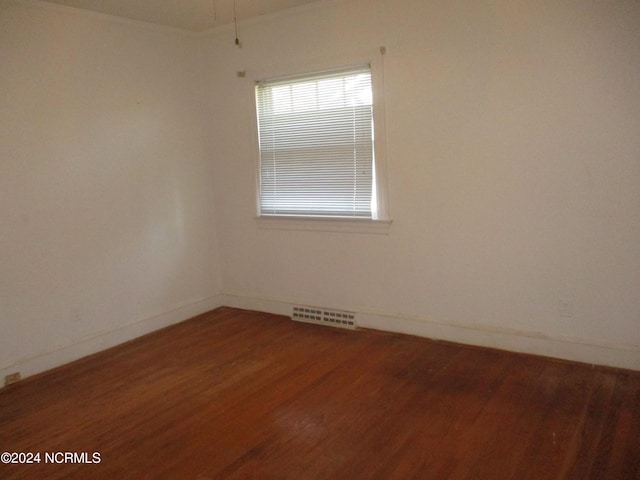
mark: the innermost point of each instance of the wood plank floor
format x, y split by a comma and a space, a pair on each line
234, 394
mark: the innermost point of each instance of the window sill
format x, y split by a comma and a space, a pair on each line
345, 225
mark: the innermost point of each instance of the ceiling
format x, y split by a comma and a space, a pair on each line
192, 15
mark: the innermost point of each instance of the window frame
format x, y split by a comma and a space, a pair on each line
382, 221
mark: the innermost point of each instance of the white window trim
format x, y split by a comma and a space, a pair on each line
325, 224
382, 222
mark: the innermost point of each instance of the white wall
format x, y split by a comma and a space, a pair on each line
514, 174
514, 169
106, 202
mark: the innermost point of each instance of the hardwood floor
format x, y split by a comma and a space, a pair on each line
234, 394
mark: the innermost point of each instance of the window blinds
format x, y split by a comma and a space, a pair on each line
316, 145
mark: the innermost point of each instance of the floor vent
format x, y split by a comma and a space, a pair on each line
322, 316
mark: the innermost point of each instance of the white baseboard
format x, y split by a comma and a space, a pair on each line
574, 349
51, 359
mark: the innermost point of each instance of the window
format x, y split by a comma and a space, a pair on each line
316, 146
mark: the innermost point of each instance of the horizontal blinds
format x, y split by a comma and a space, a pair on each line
316, 144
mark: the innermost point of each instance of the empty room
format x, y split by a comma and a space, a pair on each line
320, 239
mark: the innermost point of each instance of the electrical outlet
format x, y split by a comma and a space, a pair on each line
75, 315
565, 309
11, 378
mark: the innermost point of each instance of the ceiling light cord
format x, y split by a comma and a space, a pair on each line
235, 24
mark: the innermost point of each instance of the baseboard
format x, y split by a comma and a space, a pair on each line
574, 349
48, 360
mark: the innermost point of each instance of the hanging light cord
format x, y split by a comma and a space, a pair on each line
235, 23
